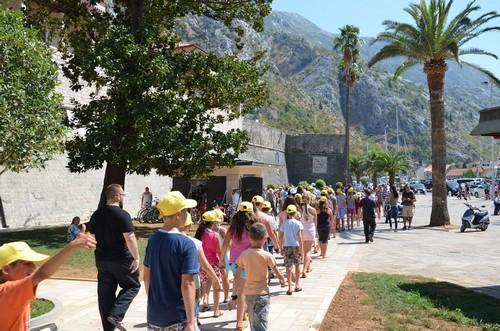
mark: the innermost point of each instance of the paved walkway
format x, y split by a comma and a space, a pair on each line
469, 259
301, 311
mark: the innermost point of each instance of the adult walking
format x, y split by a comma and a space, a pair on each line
368, 205
392, 201
408, 202
325, 221
116, 258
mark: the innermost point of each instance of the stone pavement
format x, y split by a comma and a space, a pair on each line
301, 311
469, 259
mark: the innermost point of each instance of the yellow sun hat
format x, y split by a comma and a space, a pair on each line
173, 202
291, 209
266, 205
210, 216
19, 250
245, 206
258, 199
323, 199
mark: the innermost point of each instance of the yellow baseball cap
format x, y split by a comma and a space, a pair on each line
245, 206
258, 199
298, 198
19, 250
210, 216
324, 192
266, 204
291, 209
323, 199
173, 202
350, 190
219, 213
339, 191
189, 220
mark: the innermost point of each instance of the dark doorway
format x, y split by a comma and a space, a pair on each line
216, 189
181, 184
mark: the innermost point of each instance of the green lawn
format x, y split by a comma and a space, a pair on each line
407, 303
40, 307
50, 241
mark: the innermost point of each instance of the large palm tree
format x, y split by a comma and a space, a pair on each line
348, 43
357, 167
391, 163
432, 40
371, 165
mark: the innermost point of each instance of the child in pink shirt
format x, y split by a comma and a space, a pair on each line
208, 234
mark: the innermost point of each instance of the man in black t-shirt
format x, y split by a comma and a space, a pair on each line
116, 258
368, 205
408, 202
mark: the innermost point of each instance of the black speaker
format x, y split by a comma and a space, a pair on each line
216, 189
250, 186
182, 184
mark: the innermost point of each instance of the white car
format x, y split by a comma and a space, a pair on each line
477, 190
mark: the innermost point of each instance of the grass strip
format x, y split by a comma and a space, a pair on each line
411, 302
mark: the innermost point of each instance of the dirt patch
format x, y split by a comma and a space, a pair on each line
348, 311
78, 273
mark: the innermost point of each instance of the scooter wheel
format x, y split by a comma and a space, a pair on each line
462, 228
484, 227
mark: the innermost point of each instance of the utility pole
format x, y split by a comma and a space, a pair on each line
490, 103
397, 126
385, 137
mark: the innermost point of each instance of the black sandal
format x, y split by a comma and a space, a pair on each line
298, 289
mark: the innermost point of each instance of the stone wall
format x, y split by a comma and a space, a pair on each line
313, 156
54, 195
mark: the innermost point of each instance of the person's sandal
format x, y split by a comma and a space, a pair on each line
298, 289
288, 292
303, 275
218, 315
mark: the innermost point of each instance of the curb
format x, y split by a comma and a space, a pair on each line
46, 321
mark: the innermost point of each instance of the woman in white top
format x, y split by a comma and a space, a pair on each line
309, 219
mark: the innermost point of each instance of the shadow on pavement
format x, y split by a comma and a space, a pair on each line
473, 305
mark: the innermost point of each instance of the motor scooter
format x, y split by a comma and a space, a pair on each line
475, 218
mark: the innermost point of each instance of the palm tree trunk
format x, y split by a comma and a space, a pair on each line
435, 71
392, 177
374, 179
347, 106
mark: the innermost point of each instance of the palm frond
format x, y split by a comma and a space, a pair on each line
404, 67
476, 51
488, 73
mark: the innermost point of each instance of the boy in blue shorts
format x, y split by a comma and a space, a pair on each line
291, 239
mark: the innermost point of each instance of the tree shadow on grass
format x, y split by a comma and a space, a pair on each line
52, 238
477, 306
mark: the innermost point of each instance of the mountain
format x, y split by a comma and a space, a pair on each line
307, 94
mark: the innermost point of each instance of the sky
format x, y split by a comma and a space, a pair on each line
368, 15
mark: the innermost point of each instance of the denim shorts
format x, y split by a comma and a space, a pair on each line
258, 311
232, 267
341, 212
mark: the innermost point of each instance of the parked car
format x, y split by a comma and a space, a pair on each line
427, 183
419, 188
452, 185
477, 189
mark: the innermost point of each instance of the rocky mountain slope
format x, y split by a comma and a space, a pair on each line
307, 93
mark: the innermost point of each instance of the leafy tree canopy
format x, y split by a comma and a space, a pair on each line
31, 118
157, 111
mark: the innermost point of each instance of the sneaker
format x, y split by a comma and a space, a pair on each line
371, 238
116, 323
404, 227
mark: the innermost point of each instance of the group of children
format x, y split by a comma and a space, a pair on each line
245, 249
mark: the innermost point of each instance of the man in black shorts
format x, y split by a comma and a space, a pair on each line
116, 258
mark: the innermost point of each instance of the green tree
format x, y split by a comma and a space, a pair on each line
348, 43
469, 173
433, 39
392, 162
370, 163
31, 116
161, 105
357, 167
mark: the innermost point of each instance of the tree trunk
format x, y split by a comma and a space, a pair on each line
374, 179
358, 178
346, 148
435, 71
2, 215
392, 177
115, 174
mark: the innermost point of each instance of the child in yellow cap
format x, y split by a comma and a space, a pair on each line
291, 239
19, 280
